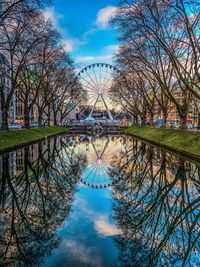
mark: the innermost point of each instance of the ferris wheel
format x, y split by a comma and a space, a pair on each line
97, 80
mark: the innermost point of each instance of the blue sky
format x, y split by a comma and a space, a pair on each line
84, 25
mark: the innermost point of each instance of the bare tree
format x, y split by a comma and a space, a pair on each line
8, 8
160, 39
41, 73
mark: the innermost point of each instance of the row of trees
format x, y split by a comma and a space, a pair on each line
40, 71
159, 54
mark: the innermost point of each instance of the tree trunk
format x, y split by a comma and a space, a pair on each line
165, 115
151, 119
26, 117
143, 119
40, 117
136, 120
27, 121
55, 122
183, 119
198, 123
4, 176
55, 118
5, 118
49, 148
49, 116
40, 145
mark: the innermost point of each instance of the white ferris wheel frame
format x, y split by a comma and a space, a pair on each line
100, 90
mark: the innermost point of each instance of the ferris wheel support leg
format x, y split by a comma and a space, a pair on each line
94, 106
107, 109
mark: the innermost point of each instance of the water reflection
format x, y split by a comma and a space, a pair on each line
34, 182
52, 212
100, 153
157, 206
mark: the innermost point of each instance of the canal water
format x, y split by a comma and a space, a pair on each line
84, 201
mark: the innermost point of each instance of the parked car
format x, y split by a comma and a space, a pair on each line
34, 124
196, 127
15, 126
159, 122
42, 124
189, 125
177, 125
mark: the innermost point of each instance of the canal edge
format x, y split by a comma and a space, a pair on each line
31, 142
178, 152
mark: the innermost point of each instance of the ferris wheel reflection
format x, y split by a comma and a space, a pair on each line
100, 153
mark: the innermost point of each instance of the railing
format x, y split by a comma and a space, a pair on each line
97, 129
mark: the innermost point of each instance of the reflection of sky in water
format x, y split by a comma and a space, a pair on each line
155, 202
87, 235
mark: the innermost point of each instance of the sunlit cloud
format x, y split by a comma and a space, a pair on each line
105, 15
111, 49
106, 229
50, 14
88, 59
102, 22
69, 45
101, 221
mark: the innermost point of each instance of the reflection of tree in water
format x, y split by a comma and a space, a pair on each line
36, 200
157, 206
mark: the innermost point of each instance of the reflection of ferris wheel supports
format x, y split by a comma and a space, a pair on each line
106, 145
107, 109
103, 151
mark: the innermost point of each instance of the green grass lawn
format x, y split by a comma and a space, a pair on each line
19, 137
177, 139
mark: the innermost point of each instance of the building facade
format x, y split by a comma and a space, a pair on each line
5, 85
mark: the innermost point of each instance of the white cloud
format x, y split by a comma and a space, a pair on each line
106, 229
111, 49
105, 15
83, 254
69, 45
101, 221
95, 59
106, 56
50, 14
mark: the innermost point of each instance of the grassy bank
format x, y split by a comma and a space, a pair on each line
20, 137
182, 141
